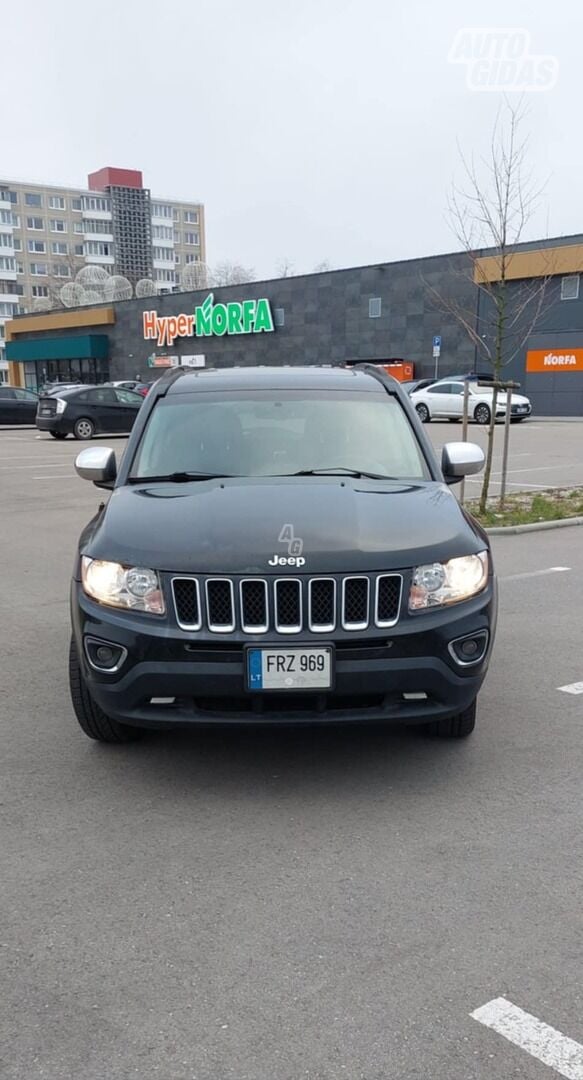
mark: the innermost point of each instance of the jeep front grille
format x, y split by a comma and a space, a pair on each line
287, 605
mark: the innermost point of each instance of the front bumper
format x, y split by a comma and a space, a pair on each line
516, 412
204, 675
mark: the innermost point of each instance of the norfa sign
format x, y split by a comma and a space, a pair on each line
209, 320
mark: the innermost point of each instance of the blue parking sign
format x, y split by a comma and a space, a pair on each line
437, 341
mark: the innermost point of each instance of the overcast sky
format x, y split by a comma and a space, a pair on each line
311, 129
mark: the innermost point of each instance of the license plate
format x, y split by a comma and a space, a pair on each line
289, 669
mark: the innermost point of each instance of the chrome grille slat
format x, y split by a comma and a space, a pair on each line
317, 605
288, 605
220, 605
355, 602
253, 596
186, 594
321, 602
388, 593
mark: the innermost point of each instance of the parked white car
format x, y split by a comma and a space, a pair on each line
445, 400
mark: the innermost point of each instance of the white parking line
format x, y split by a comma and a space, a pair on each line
511, 483
539, 1040
31, 457
572, 688
544, 468
58, 476
536, 573
39, 465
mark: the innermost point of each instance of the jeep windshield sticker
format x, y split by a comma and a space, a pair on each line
210, 319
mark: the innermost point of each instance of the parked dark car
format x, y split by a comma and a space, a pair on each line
17, 406
280, 545
88, 411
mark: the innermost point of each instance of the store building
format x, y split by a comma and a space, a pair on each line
49, 232
375, 313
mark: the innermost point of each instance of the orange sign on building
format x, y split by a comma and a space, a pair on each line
553, 360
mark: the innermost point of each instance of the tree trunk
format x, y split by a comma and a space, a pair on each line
489, 455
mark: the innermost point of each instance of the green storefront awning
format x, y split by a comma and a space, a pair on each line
76, 347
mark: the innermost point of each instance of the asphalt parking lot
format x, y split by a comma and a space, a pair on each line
296, 905
542, 454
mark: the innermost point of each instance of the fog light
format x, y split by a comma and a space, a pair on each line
470, 649
104, 655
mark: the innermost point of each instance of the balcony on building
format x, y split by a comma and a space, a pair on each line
96, 207
100, 260
106, 236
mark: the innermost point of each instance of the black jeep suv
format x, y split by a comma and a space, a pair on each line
280, 545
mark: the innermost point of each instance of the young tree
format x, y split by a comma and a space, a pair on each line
321, 267
491, 212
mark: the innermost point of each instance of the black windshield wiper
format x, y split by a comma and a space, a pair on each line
177, 478
339, 470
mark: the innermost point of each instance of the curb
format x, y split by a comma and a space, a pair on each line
535, 526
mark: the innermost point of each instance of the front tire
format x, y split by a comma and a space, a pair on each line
59, 434
93, 721
455, 727
423, 413
84, 428
482, 415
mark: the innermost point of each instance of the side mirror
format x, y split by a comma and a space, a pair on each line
98, 464
459, 459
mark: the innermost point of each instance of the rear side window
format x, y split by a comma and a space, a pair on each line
104, 395
127, 397
6, 392
24, 395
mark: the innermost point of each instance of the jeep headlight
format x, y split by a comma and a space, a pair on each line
436, 584
135, 587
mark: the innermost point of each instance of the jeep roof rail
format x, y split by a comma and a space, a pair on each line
379, 374
167, 379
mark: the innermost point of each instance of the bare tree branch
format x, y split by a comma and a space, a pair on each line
230, 273
488, 215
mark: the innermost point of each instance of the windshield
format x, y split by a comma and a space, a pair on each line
267, 433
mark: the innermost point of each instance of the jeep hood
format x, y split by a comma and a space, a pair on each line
232, 526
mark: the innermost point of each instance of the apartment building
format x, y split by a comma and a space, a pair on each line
48, 232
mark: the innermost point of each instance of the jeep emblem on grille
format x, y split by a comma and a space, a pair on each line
292, 560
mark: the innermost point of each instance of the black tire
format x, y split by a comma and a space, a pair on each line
92, 719
482, 414
455, 727
84, 429
423, 412
59, 434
